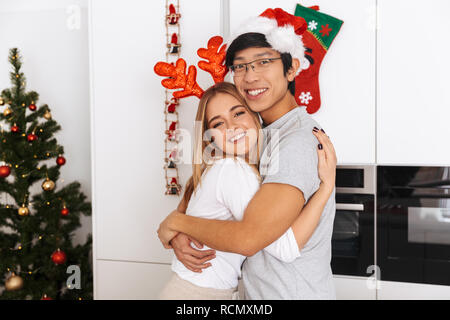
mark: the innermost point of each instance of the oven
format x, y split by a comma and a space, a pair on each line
413, 224
353, 239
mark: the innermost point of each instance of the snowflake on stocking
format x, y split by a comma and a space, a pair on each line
305, 97
312, 25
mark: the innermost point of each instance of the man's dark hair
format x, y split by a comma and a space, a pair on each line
257, 40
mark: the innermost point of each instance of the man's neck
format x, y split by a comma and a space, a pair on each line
279, 109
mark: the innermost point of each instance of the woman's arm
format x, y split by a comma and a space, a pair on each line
304, 226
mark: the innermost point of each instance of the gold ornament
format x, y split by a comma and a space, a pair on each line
47, 115
2, 102
14, 283
48, 185
7, 112
23, 211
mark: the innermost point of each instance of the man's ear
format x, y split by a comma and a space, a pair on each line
293, 70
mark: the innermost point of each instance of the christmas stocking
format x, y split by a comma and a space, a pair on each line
322, 29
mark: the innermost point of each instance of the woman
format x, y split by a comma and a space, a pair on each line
232, 148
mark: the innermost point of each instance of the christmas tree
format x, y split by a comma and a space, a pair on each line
37, 224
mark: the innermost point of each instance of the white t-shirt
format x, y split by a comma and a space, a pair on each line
226, 189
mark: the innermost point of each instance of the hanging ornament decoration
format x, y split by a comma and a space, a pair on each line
7, 111
171, 103
5, 170
32, 106
321, 30
176, 78
60, 160
47, 115
32, 137
48, 185
64, 211
14, 282
15, 129
23, 210
59, 257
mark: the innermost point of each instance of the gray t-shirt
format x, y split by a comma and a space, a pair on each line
290, 157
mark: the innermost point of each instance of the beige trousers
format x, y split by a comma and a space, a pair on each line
180, 289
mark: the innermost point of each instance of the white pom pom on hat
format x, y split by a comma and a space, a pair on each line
283, 32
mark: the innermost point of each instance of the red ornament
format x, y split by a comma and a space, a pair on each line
32, 107
60, 160
64, 211
32, 137
45, 297
4, 171
15, 129
59, 257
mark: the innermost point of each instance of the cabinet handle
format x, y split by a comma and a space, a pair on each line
350, 206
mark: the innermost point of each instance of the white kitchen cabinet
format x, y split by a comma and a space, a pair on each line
390, 290
127, 38
347, 75
122, 280
355, 288
413, 89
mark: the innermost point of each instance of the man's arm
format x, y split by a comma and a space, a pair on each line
269, 214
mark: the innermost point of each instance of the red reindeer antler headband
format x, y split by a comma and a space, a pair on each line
178, 79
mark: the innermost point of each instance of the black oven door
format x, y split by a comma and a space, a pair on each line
413, 214
353, 234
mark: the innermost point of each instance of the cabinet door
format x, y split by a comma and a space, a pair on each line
127, 39
347, 74
354, 288
390, 290
413, 108
121, 280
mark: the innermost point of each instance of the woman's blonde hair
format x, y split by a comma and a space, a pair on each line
199, 163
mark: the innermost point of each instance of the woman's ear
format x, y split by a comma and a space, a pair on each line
293, 70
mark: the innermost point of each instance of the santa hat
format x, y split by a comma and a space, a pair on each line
283, 32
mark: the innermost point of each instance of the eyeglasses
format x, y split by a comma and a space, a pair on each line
258, 66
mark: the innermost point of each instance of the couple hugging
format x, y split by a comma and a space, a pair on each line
261, 207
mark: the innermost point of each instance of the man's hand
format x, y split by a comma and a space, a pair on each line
165, 234
193, 259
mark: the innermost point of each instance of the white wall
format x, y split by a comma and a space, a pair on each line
127, 38
55, 63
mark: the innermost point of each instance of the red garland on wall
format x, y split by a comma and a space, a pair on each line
172, 19
177, 78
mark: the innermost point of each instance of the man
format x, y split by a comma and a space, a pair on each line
264, 59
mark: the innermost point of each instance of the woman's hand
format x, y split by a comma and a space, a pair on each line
327, 159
